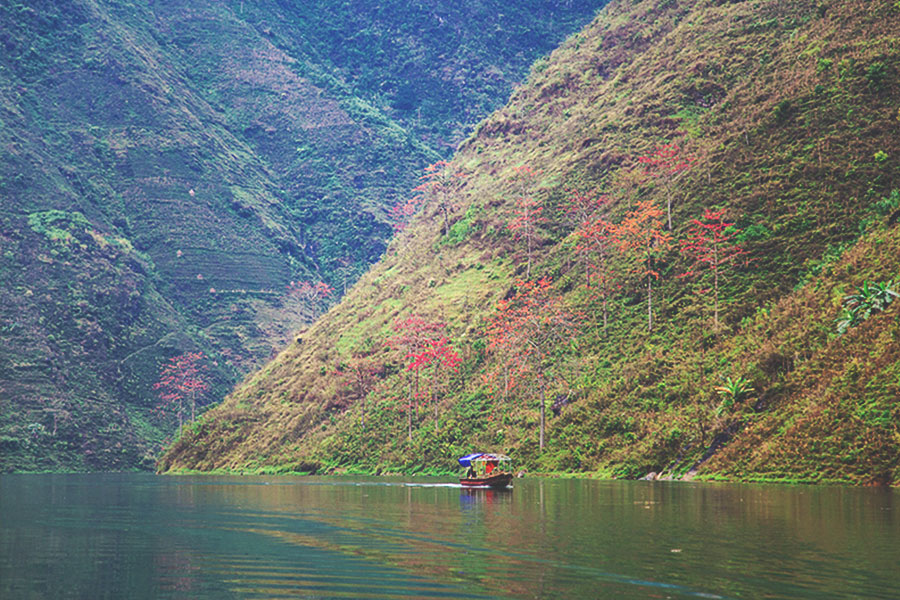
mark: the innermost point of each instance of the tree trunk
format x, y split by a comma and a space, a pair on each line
543, 398
409, 409
506, 382
435, 375
416, 396
669, 207
715, 267
649, 303
605, 314
528, 235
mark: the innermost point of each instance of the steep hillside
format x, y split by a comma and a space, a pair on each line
168, 169
785, 117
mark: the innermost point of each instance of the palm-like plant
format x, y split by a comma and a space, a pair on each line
733, 391
868, 298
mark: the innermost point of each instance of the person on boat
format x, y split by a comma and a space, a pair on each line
470, 474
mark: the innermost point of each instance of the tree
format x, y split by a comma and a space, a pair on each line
438, 181
413, 335
402, 213
313, 296
640, 237
181, 380
435, 187
710, 242
438, 354
595, 243
581, 208
360, 375
667, 163
527, 212
527, 328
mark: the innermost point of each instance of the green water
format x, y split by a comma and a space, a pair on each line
144, 536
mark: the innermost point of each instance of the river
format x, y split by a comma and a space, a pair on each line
137, 535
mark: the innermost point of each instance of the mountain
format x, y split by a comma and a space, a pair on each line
780, 364
170, 168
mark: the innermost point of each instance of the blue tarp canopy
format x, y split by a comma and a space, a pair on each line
466, 461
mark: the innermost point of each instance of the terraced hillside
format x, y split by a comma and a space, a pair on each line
785, 118
168, 169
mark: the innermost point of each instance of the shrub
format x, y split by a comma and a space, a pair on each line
875, 75
868, 298
888, 205
783, 111
753, 233
57, 225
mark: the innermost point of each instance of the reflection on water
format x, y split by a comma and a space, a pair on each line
138, 535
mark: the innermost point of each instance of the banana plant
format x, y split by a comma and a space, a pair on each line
733, 391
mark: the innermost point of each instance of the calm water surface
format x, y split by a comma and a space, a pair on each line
144, 536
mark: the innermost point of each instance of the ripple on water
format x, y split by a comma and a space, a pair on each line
216, 537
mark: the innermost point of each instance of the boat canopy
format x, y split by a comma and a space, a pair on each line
466, 461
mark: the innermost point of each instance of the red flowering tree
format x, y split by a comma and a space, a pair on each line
583, 207
435, 188
641, 239
438, 355
402, 213
594, 247
711, 243
182, 380
527, 212
413, 335
525, 329
312, 295
667, 163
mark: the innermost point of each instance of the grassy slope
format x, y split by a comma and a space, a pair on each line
790, 108
154, 152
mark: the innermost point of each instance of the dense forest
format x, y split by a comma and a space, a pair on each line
201, 179
674, 253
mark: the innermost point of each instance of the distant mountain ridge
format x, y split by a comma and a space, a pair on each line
170, 167
787, 113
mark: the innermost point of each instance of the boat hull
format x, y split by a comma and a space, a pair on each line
500, 480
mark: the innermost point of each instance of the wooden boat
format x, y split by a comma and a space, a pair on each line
500, 480
486, 470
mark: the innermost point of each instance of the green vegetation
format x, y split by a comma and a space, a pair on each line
170, 167
752, 383
56, 224
869, 298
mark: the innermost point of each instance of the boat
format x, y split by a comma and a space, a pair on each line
484, 469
